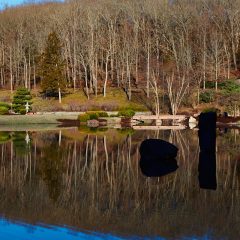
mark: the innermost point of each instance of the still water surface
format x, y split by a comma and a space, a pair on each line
81, 184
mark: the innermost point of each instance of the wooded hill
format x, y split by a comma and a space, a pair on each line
146, 46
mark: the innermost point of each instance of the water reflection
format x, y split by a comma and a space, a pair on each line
21, 231
92, 181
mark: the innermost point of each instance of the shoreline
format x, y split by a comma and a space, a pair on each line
46, 118
35, 119
55, 120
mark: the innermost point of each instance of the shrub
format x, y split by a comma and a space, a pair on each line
22, 111
103, 114
206, 97
6, 105
211, 109
229, 87
83, 117
97, 114
126, 113
3, 110
93, 116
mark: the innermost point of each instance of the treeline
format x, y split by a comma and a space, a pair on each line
151, 44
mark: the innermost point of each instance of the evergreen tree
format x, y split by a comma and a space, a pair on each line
52, 68
20, 99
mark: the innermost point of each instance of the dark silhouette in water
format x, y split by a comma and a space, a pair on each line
157, 158
207, 156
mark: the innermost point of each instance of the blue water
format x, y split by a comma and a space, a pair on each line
10, 230
16, 230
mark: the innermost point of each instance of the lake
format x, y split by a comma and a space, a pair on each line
87, 184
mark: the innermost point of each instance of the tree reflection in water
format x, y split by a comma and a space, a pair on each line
92, 180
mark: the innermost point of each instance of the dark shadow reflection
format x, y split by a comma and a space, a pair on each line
207, 156
157, 158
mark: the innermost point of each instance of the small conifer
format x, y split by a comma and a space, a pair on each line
20, 100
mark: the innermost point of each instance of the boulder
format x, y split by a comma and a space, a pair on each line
93, 123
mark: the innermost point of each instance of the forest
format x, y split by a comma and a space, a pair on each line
185, 51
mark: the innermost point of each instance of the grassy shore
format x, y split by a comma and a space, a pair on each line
15, 120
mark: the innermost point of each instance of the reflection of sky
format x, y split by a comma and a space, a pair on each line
20, 231
11, 2
4, 3
10, 230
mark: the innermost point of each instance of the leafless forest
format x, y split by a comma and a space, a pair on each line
135, 45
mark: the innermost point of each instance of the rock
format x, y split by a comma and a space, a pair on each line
192, 120
93, 123
192, 125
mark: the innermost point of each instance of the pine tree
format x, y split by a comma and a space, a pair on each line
52, 68
20, 99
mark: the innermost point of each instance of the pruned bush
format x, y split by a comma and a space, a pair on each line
22, 111
3, 110
93, 116
126, 113
20, 99
83, 117
6, 105
102, 114
97, 114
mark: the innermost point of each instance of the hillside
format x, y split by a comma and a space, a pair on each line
154, 52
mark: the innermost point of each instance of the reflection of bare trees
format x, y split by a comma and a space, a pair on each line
101, 186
